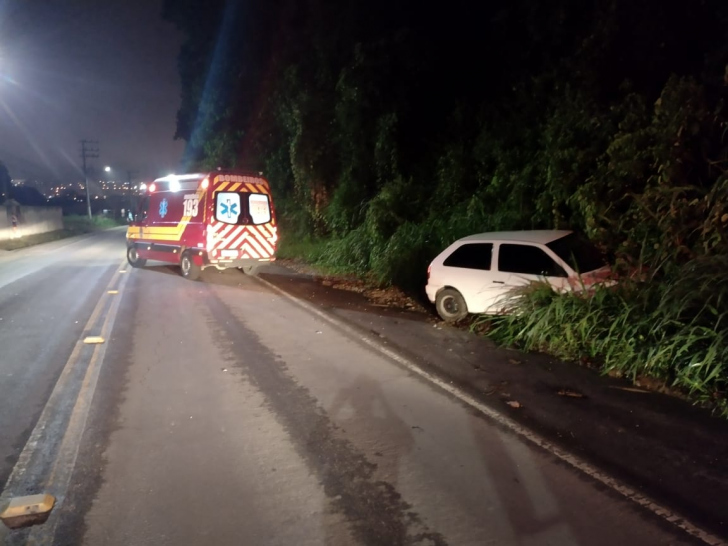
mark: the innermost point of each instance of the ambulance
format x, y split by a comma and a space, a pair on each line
219, 219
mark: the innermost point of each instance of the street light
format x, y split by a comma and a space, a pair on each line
107, 169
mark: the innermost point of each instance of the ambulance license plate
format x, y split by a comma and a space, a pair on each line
230, 253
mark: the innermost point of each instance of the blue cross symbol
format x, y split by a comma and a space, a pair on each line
163, 208
228, 209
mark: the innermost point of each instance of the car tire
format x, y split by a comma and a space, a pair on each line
250, 270
451, 305
190, 270
132, 256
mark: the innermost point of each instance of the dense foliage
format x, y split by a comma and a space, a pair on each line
388, 130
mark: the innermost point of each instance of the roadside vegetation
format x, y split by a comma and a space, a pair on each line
672, 329
83, 224
388, 132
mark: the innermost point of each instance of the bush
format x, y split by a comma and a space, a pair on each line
673, 329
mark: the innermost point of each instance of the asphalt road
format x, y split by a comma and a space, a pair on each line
221, 412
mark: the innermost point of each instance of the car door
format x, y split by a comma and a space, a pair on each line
468, 269
520, 264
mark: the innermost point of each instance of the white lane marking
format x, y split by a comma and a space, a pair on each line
614, 484
62, 470
16, 479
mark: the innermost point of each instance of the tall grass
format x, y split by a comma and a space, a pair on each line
674, 328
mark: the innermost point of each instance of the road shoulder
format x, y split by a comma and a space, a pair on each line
661, 446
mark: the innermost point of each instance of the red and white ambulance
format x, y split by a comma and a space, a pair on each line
219, 219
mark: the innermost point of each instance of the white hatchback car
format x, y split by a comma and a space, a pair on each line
475, 273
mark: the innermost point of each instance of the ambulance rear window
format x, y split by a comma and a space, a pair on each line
259, 208
242, 208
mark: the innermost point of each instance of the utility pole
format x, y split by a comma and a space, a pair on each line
88, 151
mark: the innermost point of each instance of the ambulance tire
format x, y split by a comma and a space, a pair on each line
251, 270
190, 270
132, 256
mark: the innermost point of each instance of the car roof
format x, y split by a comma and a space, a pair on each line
536, 236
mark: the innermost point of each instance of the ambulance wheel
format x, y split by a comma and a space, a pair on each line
190, 270
132, 256
251, 270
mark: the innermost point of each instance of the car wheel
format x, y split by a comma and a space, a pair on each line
451, 305
251, 270
190, 270
132, 256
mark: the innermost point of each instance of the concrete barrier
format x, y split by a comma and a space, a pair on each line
31, 220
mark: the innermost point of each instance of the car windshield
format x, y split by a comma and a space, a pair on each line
581, 255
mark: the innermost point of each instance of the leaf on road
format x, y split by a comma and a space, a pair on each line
570, 393
514, 361
514, 403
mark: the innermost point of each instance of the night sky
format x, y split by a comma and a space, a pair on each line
101, 70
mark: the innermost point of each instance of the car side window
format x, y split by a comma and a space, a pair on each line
530, 260
471, 256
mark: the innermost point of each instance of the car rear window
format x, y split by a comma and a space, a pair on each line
471, 256
529, 260
242, 208
580, 254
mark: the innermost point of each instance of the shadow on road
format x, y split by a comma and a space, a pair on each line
229, 277
301, 286
362, 411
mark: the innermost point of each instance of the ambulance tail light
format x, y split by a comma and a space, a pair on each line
205, 183
152, 187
